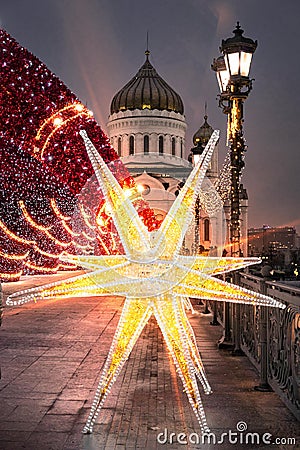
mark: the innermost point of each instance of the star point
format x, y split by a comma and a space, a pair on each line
155, 279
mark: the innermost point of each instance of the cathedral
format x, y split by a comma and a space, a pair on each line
45, 166
147, 127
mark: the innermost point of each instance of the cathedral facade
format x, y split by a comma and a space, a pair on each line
147, 127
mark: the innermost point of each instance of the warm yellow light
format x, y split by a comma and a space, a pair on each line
245, 63
127, 192
100, 222
155, 279
30, 219
140, 188
86, 217
11, 276
57, 211
79, 107
13, 235
69, 229
107, 209
33, 266
41, 228
13, 256
233, 63
57, 121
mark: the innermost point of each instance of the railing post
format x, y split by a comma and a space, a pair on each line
263, 332
206, 309
226, 340
215, 321
237, 350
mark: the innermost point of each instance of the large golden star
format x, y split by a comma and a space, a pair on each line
155, 279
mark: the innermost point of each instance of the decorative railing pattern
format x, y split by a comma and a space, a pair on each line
270, 337
284, 354
250, 335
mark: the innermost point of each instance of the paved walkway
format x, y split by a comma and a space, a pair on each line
51, 354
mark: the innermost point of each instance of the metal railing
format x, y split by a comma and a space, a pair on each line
270, 337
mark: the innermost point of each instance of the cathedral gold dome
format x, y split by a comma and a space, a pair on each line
147, 90
201, 137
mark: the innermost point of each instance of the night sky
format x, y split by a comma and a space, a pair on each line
96, 46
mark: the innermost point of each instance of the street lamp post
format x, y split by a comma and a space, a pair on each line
232, 69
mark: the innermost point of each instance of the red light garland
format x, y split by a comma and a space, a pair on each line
44, 166
57, 211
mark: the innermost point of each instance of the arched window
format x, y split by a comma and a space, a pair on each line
173, 146
160, 145
131, 145
206, 229
119, 146
146, 144
181, 149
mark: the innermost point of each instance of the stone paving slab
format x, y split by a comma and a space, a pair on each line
51, 354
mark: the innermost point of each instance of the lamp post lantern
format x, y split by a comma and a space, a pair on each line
232, 70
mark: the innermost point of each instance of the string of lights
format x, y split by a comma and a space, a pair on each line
155, 279
45, 167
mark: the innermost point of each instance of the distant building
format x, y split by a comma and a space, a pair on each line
262, 241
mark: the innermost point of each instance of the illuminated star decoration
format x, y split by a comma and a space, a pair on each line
155, 279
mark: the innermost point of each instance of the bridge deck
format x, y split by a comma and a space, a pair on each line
51, 355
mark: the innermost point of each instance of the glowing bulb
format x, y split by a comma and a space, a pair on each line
57, 121
127, 192
196, 159
100, 222
140, 188
79, 107
107, 209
